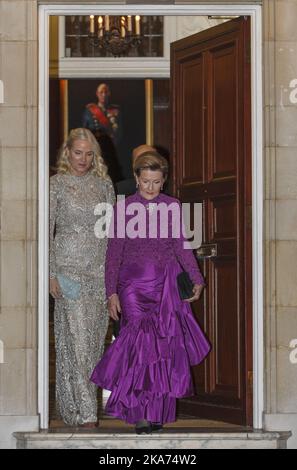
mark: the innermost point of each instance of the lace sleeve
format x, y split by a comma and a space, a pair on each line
186, 256
110, 194
52, 223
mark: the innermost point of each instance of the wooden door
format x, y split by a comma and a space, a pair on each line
211, 163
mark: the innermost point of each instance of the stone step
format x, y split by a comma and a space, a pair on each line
163, 440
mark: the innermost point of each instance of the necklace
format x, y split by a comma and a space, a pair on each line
150, 207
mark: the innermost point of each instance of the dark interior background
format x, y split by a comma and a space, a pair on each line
129, 95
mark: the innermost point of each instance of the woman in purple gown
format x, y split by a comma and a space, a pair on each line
147, 367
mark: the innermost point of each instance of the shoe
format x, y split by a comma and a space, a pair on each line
90, 425
156, 427
145, 428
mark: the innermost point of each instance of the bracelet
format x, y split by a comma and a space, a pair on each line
108, 298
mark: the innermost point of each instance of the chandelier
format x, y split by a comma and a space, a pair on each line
115, 34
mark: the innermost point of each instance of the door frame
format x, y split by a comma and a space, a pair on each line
255, 12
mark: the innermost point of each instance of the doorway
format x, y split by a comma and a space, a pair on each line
129, 96
255, 14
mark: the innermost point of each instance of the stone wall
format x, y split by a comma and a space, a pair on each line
280, 68
18, 190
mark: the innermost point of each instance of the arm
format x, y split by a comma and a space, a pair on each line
54, 286
52, 223
186, 257
114, 306
115, 247
118, 132
110, 194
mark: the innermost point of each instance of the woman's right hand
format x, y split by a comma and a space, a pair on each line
55, 289
114, 306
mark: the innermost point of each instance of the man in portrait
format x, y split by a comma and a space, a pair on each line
103, 116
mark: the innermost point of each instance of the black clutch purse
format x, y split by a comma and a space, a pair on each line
184, 285
116, 325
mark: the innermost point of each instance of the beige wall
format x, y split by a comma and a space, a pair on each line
18, 190
280, 54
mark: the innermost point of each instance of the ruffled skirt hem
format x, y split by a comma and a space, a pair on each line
148, 365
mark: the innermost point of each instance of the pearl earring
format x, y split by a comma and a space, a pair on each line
137, 184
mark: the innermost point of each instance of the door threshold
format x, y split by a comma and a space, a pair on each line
174, 440
183, 425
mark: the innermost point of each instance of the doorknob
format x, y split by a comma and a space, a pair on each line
207, 251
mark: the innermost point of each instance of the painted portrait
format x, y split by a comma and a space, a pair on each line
114, 110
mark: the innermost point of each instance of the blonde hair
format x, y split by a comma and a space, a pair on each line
98, 166
151, 161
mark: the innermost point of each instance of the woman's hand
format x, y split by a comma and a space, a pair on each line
114, 306
55, 289
197, 289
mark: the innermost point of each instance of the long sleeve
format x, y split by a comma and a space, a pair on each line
186, 257
114, 254
52, 223
110, 193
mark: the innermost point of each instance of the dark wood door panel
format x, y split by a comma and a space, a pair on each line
197, 191
225, 326
222, 106
223, 214
211, 164
192, 125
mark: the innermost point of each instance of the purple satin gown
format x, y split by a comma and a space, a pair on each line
147, 367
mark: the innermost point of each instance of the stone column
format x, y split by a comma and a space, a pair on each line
280, 69
18, 200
